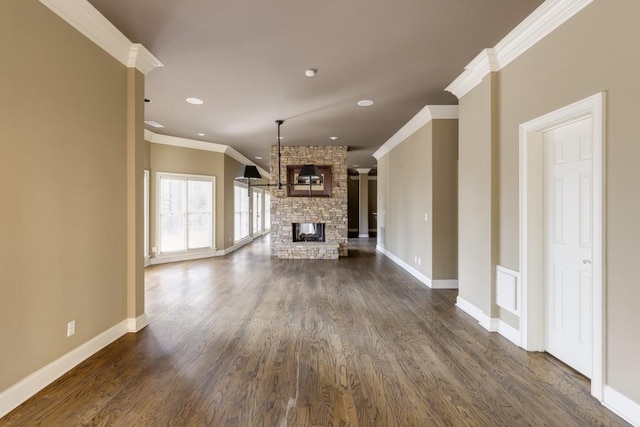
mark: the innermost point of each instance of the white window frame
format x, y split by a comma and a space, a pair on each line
249, 216
146, 192
188, 253
259, 230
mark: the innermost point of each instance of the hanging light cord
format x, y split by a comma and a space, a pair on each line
279, 122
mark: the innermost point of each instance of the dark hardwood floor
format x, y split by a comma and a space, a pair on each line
248, 340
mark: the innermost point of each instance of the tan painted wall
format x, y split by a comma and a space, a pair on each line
410, 177
63, 188
475, 215
445, 199
595, 51
167, 158
382, 200
422, 171
592, 52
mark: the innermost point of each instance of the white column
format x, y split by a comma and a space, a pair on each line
363, 228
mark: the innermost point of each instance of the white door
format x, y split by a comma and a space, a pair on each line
568, 244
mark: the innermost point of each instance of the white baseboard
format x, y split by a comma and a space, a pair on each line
136, 325
27, 387
163, 259
444, 284
431, 284
363, 236
490, 324
622, 406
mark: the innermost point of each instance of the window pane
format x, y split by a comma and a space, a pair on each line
200, 196
267, 211
199, 230
172, 195
241, 212
257, 211
172, 233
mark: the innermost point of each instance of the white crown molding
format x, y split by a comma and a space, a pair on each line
546, 18
424, 116
142, 59
483, 64
175, 141
363, 171
85, 18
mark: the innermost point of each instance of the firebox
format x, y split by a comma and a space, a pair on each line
308, 232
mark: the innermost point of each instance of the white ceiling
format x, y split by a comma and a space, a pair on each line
247, 59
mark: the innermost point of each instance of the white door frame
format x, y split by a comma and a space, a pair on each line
532, 316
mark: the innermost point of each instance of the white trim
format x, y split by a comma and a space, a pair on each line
504, 271
490, 324
137, 324
545, 19
506, 330
415, 273
473, 311
444, 284
441, 284
27, 387
183, 256
175, 141
531, 223
622, 405
363, 236
424, 116
237, 245
85, 18
479, 67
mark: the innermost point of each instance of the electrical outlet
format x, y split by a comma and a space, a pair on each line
426, 217
71, 328
419, 261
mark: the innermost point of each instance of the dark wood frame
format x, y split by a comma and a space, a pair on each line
298, 189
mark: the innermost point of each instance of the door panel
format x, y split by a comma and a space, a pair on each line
568, 243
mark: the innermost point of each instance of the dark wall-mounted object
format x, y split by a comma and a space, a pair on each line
314, 184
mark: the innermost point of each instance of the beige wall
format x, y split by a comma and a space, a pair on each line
445, 199
168, 158
410, 178
594, 51
475, 197
63, 188
422, 173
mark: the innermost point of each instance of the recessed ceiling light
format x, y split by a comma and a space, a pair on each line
154, 124
365, 103
333, 138
258, 157
200, 134
195, 101
310, 72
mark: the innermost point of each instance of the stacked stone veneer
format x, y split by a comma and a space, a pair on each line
332, 211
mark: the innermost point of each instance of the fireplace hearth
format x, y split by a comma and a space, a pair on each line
308, 232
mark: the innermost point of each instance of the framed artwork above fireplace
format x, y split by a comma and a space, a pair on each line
300, 186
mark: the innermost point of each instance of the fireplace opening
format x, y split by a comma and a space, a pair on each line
308, 232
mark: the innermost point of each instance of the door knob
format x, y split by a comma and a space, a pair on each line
586, 261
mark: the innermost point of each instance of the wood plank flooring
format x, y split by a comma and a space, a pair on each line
248, 340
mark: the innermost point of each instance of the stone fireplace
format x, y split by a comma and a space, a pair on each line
321, 230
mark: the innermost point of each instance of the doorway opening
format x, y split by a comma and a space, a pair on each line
533, 248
